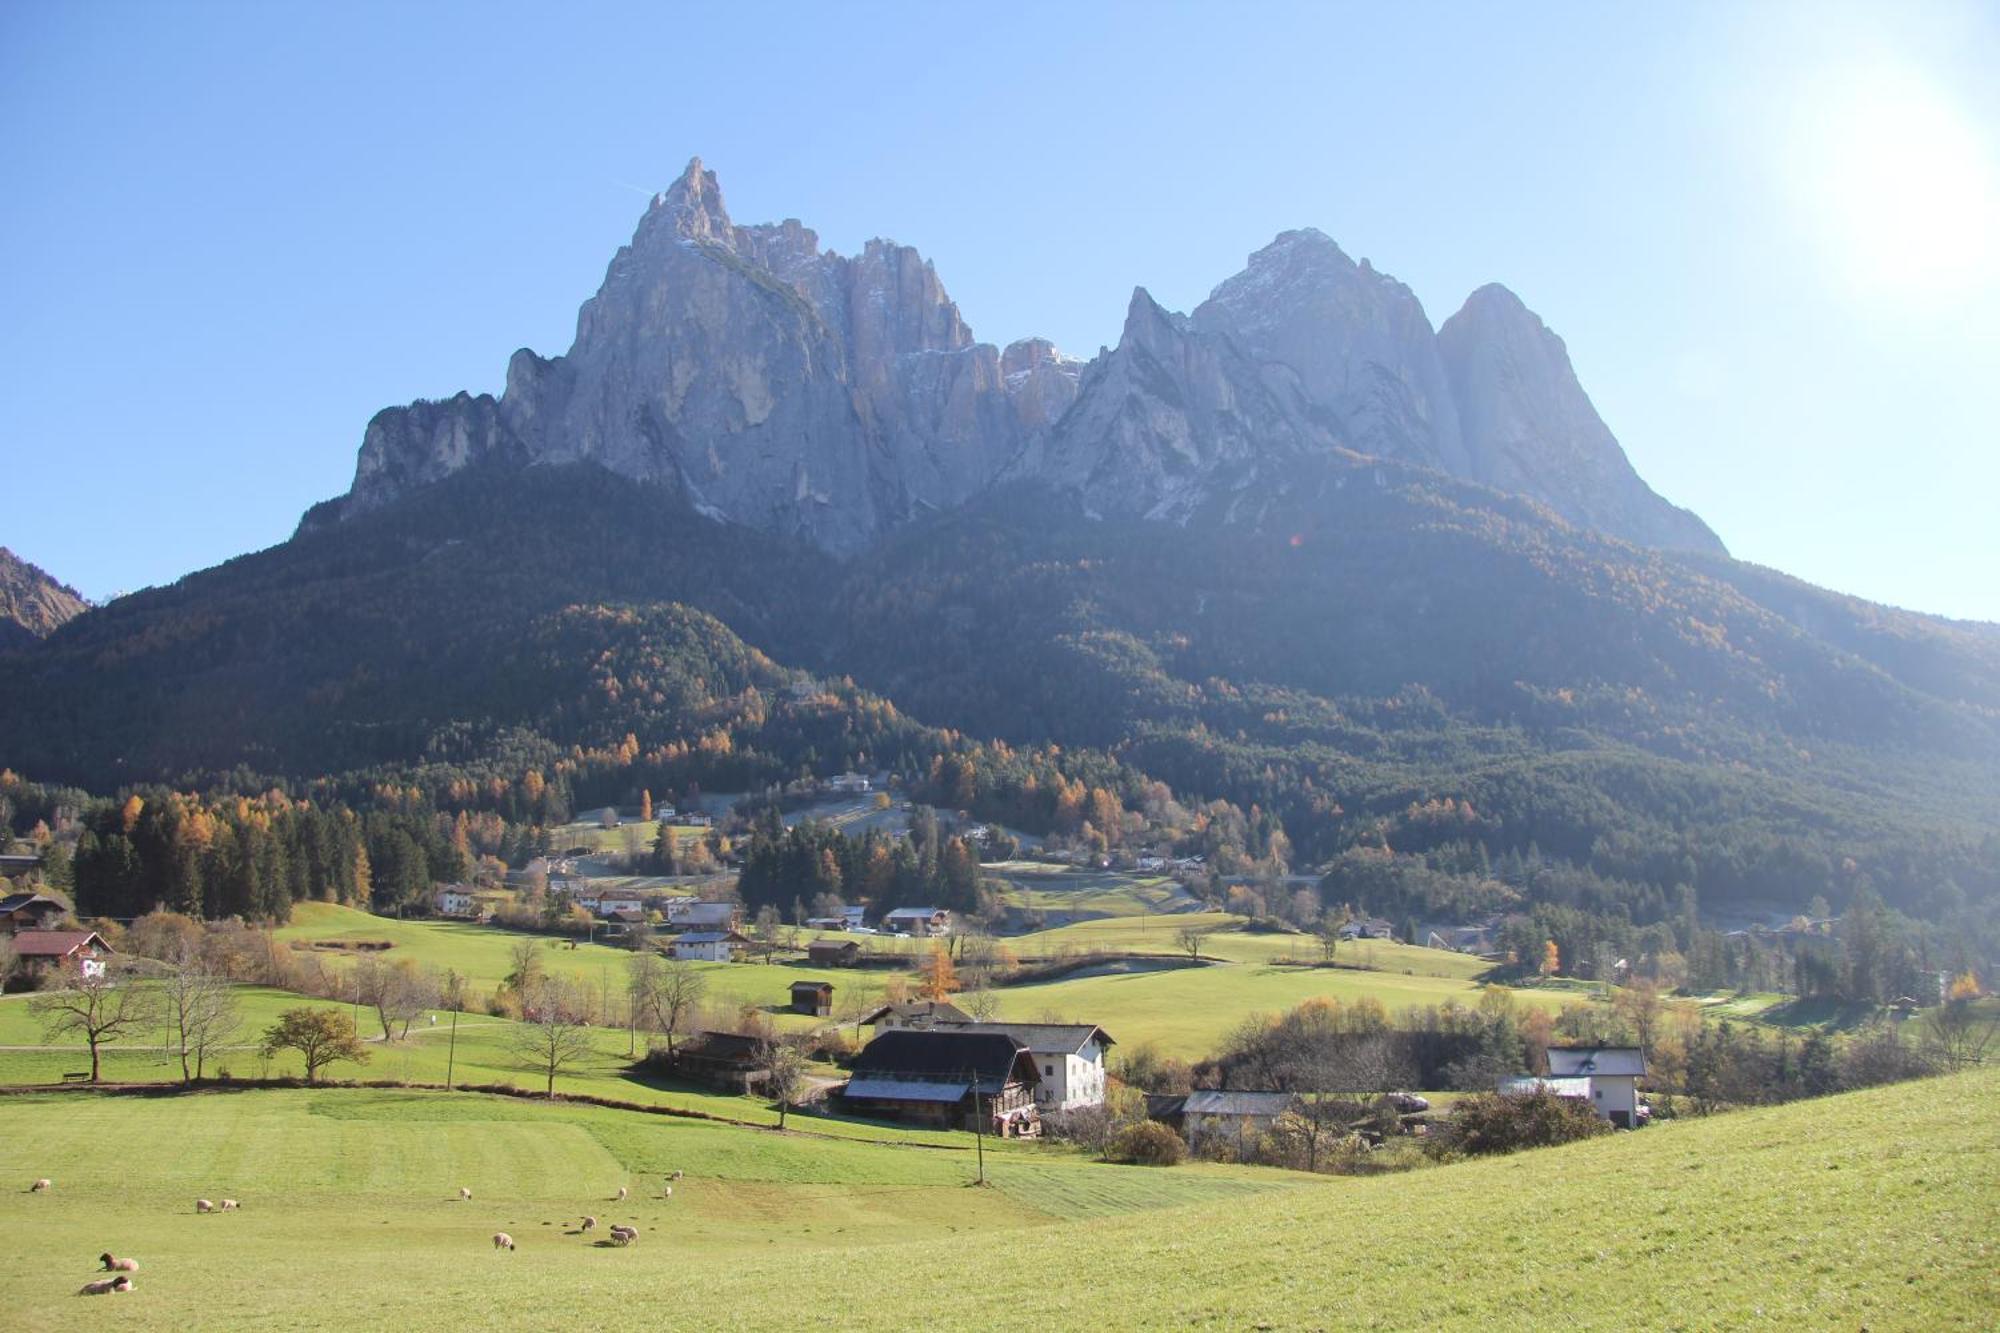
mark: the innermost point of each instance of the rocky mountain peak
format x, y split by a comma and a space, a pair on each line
799, 390
1529, 426
692, 206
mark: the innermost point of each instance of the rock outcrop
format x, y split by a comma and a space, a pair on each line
800, 391
32, 604
1529, 427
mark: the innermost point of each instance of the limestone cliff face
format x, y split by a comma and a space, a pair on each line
779, 385
797, 390
1358, 340
1530, 428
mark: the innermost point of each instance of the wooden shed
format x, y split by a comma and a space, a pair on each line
812, 997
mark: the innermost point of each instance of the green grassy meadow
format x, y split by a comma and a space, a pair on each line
1873, 1209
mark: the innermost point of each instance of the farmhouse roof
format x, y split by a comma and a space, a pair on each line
814, 986
912, 911
934, 1055
938, 1011
1205, 1102
57, 943
14, 902
907, 1089
1585, 1061
1041, 1038
723, 1046
710, 937
832, 948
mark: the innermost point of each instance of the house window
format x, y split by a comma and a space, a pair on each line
1049, 1071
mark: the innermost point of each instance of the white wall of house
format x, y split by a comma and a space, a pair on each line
1070, 1079
1612, 1093
717, 951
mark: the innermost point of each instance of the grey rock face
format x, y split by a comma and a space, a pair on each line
1358, 340
1530, 428
801, 391
778, 385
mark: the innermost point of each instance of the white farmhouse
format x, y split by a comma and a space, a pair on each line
1606, 1078
1069, 1056
922, 921
706, 946
454, 900
1614, 1073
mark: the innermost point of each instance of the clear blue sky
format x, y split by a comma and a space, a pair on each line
230, 233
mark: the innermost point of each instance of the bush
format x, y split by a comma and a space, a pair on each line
1492, 1122
1148, 1143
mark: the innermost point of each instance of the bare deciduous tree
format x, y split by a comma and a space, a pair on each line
201, 1008
553, 1034
97, 1008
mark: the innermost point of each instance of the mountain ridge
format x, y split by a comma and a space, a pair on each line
800, 391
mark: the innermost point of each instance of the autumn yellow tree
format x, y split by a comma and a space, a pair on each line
1551, 959
646, 806
938, 978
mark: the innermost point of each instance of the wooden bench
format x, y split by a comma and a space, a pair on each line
81, 1077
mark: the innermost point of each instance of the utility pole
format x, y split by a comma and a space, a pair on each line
455, 992
978, 1129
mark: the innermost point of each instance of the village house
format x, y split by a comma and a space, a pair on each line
15, 864
727, 1061
833, 953
1207, 1114
30, 911
698, 915
610, 906
83, 949
696, 819
1368, 928
1071, 1057
848, 784
915, 1014
1613, 1073
826, 923
854, 917
922, 921
812, 997
706, 946
454, 900
948, 1079
1461, 939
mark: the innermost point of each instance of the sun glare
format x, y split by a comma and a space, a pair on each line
1902, 183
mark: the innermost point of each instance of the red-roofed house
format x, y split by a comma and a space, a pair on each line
58, 948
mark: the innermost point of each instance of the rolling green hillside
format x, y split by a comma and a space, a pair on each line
1873, 1209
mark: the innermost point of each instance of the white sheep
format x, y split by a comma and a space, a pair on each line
104, 1286
624, 1235
502, 1241
203, 1206
39, 1186
589, 1223
230, 1205
676, 1175
619, 1197
113, 1264
667, 1193
464, 1193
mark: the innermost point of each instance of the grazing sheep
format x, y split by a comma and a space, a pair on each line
624, 1235
620, 1196
39, 1186
502, 1241
676, 1175
113, 1264
104, 1286
230, 1205
464, 1193
203, 1206
667, 1193
590, 1224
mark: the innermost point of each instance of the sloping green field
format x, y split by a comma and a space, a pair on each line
1872, 1210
